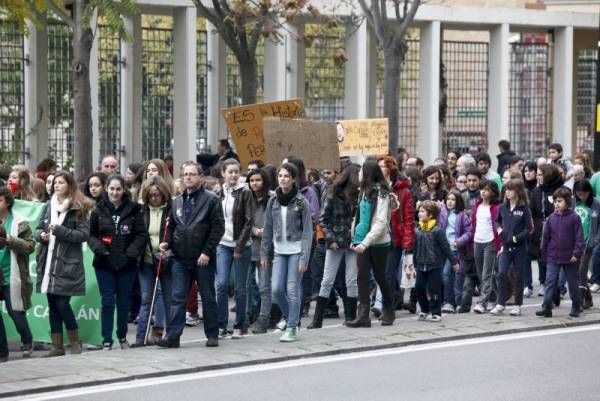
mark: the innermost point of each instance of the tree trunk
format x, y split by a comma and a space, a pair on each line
82, 100
392, 57
248, 71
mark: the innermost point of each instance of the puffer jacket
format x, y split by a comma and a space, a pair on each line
563, 238
432, 249
542, 206
403, 222
67, 275
336, 220
118, 236
243, 214
379, 231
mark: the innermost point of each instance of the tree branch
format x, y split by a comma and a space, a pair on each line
397, 9
407, 20
61, 13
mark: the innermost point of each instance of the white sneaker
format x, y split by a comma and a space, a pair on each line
237, 334
434, 318
282, 325
515, 311
422, 317
595, 288
527, 292
489, 307
448, 308
498, 310
541, 291
479, 309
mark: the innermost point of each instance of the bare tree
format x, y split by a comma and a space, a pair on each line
391, 37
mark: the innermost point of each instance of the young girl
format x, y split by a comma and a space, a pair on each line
371, 241
259, 185
62, 230
431, 251
514, 221
234, 250
588, 209
458, 234
486, 241
562, 248
287, 240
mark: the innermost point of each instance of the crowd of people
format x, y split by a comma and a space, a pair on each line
386, 235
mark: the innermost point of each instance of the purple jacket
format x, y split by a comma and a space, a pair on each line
562, 238
313, 203
462, 232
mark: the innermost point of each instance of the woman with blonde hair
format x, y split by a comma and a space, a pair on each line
157, 167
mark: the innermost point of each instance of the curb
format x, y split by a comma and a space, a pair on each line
230, 365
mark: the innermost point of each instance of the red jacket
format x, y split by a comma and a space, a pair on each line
403, 218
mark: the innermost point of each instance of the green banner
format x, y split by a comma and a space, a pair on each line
86, 308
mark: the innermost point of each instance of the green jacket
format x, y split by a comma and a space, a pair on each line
21, 245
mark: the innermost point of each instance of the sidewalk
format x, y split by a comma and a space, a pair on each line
27, 376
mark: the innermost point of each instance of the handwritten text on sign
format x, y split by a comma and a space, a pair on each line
246, 125
363, 137
314, 142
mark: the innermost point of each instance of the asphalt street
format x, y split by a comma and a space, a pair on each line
543, 365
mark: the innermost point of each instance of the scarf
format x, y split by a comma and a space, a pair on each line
285, 199
427, 225
57, 216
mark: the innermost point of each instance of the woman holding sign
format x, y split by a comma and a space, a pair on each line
62, 229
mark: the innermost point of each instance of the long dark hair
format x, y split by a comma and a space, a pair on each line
372, 176
271, 173
431, 170
493, 188
74, 194
347, 183
584, 186
264, 197
459, 202
301, 180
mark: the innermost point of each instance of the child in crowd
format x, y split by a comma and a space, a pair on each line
562, 248
473, 194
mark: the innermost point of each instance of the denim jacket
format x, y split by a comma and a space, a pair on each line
298, 222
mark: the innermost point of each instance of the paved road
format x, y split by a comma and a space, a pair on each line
550, 365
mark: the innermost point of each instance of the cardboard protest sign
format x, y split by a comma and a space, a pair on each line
314, 142
246, 125
363, 137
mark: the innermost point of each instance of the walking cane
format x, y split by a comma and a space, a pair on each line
158, 267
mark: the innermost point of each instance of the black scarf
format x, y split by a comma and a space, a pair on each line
285, 199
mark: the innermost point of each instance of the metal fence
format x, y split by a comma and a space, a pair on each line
408, 130
530, 132
109, 92
60, 94
586, 98
12, 94
464, 90
201, 90
234, 81
324, 80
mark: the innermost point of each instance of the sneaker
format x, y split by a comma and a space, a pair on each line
422, 317
282, 325
515, 311
479, 309
123, 343
289, 336
540, 292
434, 318
223, 333
106, 346
527, 292
447, 308
595, 288
489, 307
169, 343
498, 310
27, 350
259, 327
237, 334
574, 313
192, 319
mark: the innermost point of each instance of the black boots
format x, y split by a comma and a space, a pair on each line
586, 295
544, 312
349, 309
317, 322
362, 318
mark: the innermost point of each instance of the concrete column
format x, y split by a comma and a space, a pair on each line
275, 70
498, 87
215, 86
36, 95
361, 74
131, 94
296, 53
184, 83
95, 95
429, 143
562, 114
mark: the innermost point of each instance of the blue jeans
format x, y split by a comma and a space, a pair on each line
115, 288
19, 318
162, 303
182, 276
225, 262
595, 279
452, 283
264, 290
286, 283
572, 274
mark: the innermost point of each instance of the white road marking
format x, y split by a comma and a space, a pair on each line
299, 362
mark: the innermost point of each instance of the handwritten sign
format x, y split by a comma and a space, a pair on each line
246, 125
314, 142
363, 137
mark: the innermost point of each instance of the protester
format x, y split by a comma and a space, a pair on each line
133, 179
62, 229
19, 182
109, 165
505, 155
157, 167
94, 186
